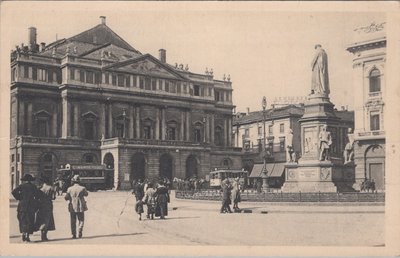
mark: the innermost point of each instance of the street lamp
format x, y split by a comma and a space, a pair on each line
264, 172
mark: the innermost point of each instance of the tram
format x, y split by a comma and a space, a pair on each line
218, 175
93, 177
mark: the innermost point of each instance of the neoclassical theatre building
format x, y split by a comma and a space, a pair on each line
94, 99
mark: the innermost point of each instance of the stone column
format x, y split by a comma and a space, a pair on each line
76, 120
54, 120
102, 121
66, 123
182, 130
207, 128
137, 120
157, 125
163, 124
29, 120
225, 131
229, 131
131, 120
212, 129
21, 116
188, 126
110, 121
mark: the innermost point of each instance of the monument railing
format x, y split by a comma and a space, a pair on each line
254, 196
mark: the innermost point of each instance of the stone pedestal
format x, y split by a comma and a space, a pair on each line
311, 174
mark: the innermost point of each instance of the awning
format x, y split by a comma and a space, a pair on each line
257, 170
278, 170
270, 168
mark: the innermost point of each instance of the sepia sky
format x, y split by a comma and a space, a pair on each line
265, 51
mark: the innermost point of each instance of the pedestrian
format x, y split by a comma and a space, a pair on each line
162, 200
150, 200
44, 217
28, 196
226, 196
77, 205
138, 190
236, 194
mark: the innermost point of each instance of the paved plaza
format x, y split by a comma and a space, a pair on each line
111, 220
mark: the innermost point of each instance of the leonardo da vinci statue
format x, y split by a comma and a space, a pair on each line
319, 65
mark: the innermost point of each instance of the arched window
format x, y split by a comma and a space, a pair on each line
375, 81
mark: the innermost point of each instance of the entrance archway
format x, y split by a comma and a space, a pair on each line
166, 166
108, 160
138, 167
48, 166
191, 166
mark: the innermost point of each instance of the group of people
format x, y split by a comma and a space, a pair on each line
35, 206
189, 184
230, 192
154, 195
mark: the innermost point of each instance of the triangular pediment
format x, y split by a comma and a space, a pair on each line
146, 65
89, 114
42, 113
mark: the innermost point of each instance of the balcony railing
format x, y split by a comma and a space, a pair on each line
377, 134
61, 141
376, 94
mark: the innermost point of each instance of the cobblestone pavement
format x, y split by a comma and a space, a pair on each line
111, 220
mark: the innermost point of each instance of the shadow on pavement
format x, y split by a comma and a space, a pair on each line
84, 237
182, 218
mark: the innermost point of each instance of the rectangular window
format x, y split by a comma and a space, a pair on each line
107, 78
185, 88
172, 88
42, 128
154, 84
247, 132
72, 73
160, 84
114, 80
12, 157
97, 78
26, 71
134, 81
216, 95
260, 130
167, 86
18, 157
270, 129
128, 81
13, 74
178, 87
196, 89
147, 85
41, 75
121, 80
141, 81
82, 76
375, 123
282, 128
34, 73
209, 91
90, 77
51, 76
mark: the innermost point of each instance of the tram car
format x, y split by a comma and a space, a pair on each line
93, 177
218, 175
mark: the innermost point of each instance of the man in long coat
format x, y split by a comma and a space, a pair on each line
226, 196
44, 216
77, 205
28, 195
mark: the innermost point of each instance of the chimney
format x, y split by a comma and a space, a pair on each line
32, 38
103, 20
162, 55
42, 46
248, 110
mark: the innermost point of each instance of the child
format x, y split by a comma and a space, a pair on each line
150, 200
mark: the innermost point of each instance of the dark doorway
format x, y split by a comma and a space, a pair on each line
166, 166
138, 167
191, 166
109, 162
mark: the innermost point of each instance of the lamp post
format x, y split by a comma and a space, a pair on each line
264, 172
124, 121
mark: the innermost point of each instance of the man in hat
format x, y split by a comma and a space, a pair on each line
77, 205
28, 195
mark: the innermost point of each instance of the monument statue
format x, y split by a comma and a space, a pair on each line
320, 78
290, 154
348, 152
325, 142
